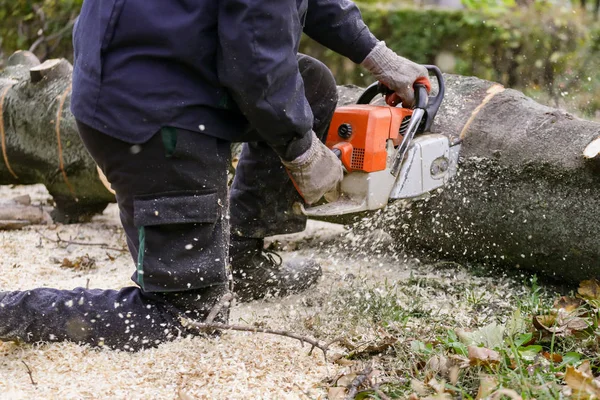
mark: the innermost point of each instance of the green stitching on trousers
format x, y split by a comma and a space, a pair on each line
140, 260
169, 139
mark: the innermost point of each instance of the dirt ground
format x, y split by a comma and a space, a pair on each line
234, 366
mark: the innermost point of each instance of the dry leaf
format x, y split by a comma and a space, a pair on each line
439, 387
498, 394
418, 387
547, 323
482, 356
337, 393
554, 357
438, 364
568, 304
83, 263
439, 396
346, 380
589, 290
453, 374
562, 324
487, 384
376, 348
582, 383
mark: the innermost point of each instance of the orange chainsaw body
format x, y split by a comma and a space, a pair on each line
360, 132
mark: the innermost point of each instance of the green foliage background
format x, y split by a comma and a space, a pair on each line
547, 50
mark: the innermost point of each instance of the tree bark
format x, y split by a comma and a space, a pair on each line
39, 138
526, 194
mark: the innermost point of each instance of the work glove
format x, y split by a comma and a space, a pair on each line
315, 172
397, 73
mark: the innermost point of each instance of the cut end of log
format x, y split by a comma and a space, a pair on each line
592, 150
51, 69
22, 57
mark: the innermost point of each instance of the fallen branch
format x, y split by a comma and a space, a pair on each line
29, 373
60, 240
18, 212
203, 326
359, 380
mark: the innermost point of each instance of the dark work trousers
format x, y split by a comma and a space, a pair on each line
262, 194
174, 206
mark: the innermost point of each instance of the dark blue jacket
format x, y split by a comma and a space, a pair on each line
210, 66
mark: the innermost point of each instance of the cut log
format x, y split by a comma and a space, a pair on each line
527, 193
18, 212
39, 138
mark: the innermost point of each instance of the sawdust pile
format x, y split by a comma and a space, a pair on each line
234, 366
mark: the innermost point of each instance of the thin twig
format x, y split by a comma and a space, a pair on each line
29, 373
60, 240
56, 35
223, 302
324, 347
359, 380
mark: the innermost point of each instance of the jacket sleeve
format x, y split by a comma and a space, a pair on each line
338, 25
258, 43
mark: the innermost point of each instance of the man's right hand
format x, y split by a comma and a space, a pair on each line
315, 172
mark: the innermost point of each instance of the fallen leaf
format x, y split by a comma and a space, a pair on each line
483, 356
568, 304
418, 387
499, 394
377, 348
590, 290
83, 263
562, 324
547, 323
437, 364
337, 393
554, 357
582, 383
487, 384
346, 380
489, 336
453, 374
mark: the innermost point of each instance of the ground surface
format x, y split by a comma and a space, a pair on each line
237, 365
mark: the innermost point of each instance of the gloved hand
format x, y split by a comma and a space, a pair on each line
397, 73
315, 172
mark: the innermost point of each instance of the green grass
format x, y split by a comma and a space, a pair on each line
417, 333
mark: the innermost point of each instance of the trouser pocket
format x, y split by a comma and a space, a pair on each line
182, 242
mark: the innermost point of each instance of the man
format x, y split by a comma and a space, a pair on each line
160, 89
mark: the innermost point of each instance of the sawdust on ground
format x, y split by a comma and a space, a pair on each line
234, 366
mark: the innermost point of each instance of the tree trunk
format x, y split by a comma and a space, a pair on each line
39, 138
527, 194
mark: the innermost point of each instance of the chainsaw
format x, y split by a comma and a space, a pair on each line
387, 151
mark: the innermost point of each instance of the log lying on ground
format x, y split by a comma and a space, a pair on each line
527, 194
18, 212
39, 138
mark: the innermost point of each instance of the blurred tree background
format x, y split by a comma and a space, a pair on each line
548, 49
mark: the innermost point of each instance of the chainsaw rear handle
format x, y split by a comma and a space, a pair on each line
430, 104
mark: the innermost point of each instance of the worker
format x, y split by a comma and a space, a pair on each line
160, 91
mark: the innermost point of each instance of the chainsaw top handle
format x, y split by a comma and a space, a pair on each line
430, 104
